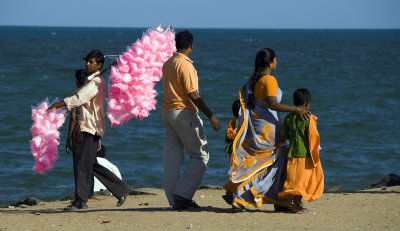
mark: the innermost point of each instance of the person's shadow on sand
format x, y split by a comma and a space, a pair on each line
210, 209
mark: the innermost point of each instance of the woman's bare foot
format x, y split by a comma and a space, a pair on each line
237, 207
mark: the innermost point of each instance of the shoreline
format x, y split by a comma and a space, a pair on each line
371, 209
33, 200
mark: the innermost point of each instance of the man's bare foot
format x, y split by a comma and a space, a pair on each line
93, 199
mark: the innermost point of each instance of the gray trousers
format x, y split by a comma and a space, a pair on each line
183, 131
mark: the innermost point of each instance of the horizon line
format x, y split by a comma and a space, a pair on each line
215, 28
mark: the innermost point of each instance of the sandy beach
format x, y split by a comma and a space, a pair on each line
373, 209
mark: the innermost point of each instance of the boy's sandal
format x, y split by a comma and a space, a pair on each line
122, 201
72, 207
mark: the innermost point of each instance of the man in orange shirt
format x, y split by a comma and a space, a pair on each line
183, 127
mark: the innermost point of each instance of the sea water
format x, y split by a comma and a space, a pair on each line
353, 77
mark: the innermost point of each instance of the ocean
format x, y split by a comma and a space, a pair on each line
353, 77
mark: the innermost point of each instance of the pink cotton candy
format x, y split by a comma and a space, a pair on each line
131, 90
44, 144
41, 167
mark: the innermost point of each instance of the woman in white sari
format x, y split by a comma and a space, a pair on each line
258, 162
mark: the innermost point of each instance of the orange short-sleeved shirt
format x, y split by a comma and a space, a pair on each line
179, 79
266, 86
231, 129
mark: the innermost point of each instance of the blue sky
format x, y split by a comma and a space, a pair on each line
203, 13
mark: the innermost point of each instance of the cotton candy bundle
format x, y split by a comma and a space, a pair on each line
45, 136
131, 90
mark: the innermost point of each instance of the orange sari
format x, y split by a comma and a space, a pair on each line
305, 176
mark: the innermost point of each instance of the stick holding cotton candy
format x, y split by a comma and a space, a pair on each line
45, 135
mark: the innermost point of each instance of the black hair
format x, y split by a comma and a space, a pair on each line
102, 152
183, 40
97, 55
81, 75
236, 108
301, 96
263, 59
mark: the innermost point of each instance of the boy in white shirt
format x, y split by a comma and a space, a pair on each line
91, 96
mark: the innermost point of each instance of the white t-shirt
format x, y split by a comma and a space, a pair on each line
104, 162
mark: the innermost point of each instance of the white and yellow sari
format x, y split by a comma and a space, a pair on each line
258, 163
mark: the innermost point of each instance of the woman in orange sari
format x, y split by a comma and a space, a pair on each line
258, 163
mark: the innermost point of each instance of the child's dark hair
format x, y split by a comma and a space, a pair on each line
80, 76
183, 40
102, 152
236, 108
301, 96
97, 55
263, 59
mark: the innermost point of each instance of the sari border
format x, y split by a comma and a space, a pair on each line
261, 167
239, 134
263, 200
254, 171
236, 140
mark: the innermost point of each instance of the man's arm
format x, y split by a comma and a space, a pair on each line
198, 101
57, 105
79, 97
